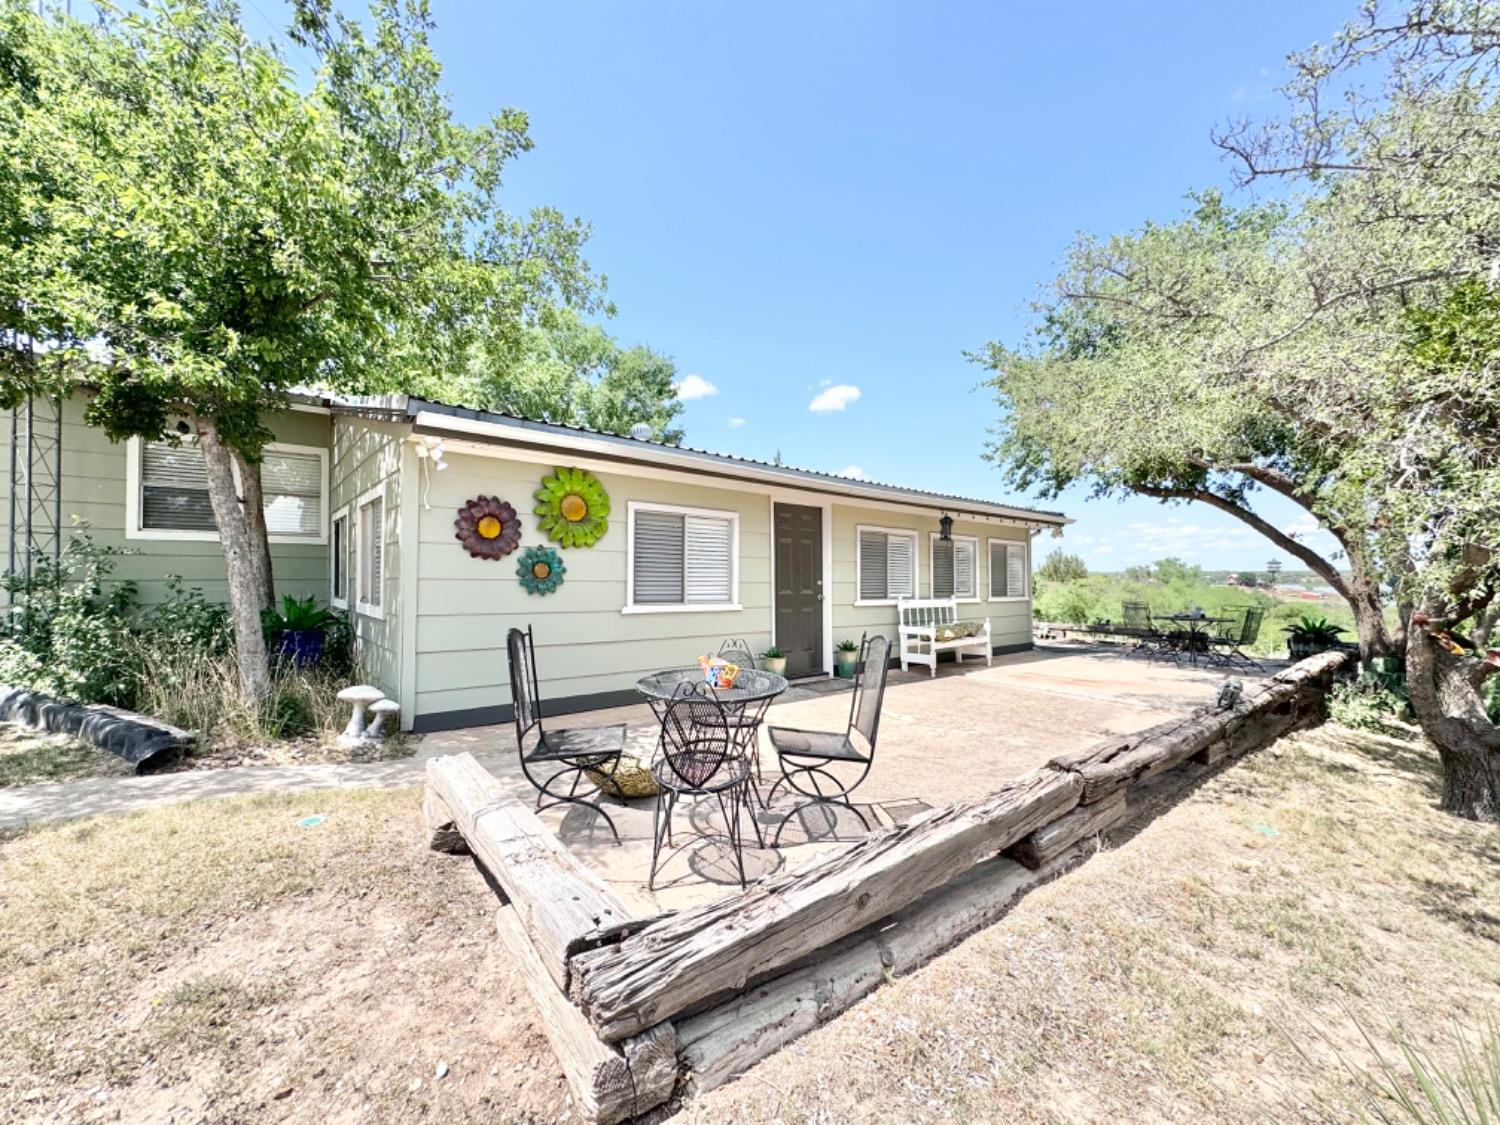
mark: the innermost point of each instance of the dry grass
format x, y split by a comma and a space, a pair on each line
1182, 975
218, 962
28, 757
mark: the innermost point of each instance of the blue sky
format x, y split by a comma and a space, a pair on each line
817, 208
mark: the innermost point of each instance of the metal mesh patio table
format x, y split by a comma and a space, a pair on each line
745, 703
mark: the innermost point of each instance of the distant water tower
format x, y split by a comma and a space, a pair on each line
1273, 568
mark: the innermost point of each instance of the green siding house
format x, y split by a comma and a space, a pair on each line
362, 498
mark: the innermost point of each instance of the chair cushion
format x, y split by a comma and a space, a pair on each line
830, 745
959, 630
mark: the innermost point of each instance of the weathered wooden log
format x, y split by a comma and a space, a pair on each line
1112, 766
564, 906
720, 1044
1051, 840
442, 834
610, 1083
688, 958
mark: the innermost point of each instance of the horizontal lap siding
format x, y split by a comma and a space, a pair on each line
365, 455
585, 645
94, 482
1010, 621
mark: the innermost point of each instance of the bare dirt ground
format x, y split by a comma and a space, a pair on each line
217, 962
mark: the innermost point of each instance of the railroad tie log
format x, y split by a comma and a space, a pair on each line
610, 1083
1052, 840
563, 906
682, 961
718, 1045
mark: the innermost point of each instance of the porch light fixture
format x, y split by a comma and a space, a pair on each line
945, 525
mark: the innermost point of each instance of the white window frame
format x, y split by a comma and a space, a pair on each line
932, 542
916, 562
1025, 545
362, 607
135, 451
731, 606
346, 514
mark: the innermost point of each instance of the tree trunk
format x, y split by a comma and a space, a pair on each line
246, 586
255, 522
1369, 618
1444, 689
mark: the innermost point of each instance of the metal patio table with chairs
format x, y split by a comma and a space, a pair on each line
708, 748
1193, 637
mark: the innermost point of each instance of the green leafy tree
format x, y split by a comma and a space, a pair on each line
1062, 567
193, 234
572, 373
1175, 570
1336, 347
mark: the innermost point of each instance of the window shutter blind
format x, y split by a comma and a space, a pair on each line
942, 568
708, 578
371, 543
872, 565
336, 552
964, 585
901, 578
660, 552
1015, 571
174, 489
997, 569
292, 484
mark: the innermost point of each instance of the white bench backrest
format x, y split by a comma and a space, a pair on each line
928, 611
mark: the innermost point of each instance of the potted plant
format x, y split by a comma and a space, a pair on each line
1310, 636
773, 660
300, 630
845, 658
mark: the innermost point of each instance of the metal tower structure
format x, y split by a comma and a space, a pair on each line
35, 524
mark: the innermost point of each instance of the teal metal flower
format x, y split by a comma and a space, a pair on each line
541, 570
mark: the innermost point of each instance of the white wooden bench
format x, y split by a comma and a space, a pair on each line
919, 621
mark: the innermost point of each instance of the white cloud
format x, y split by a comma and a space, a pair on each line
834, 398
853, 472
736, 423
1104, 550
694, 386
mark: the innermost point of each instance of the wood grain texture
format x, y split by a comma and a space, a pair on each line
720, 1044
564, 906
609, 1083
1051, 840
688, 958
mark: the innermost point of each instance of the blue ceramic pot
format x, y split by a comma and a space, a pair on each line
303, 647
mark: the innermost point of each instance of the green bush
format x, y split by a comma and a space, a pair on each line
1365, 703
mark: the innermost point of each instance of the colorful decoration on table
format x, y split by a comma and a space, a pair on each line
488, 527
540, 569
718, 672
572, 507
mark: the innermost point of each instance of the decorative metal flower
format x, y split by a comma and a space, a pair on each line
541, 570
572, 507
488, 527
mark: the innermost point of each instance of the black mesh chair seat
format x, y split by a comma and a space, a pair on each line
702, 773
824, 744
597, 744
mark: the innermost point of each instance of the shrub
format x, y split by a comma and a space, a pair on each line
1365, 703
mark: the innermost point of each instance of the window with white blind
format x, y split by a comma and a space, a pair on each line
338, 559
955, 567
1008, 569
166, 494
681, 559
370, 554
885, 565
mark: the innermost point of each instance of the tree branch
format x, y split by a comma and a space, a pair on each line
1316, 562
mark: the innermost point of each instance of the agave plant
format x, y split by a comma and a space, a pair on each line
572, 507
1315, 631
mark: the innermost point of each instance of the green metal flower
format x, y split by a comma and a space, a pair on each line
540, 569
572, 507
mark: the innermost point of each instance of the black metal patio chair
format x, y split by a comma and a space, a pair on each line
1139, 627
1230, 648
699, 756
806, 756
565, 753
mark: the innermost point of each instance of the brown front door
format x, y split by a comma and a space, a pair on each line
799, 588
